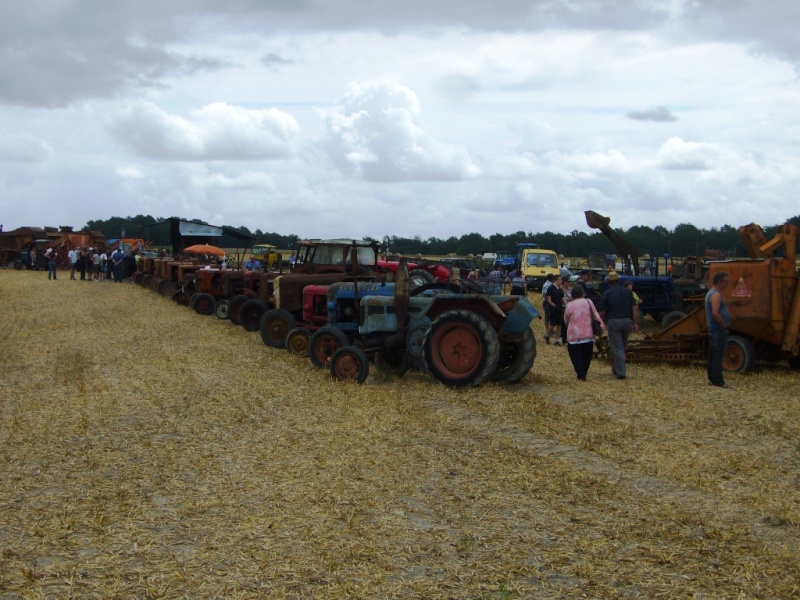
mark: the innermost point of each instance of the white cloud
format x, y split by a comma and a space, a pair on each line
22, 147
375, 132
217, 131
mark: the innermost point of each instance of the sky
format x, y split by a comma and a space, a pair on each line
435, 118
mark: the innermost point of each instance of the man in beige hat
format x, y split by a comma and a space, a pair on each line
621, 315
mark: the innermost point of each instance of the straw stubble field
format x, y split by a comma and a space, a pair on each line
149, 452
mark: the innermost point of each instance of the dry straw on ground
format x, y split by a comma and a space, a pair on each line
149, 452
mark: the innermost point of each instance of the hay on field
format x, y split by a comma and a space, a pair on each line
147, 451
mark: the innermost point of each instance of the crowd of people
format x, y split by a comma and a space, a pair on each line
88, 263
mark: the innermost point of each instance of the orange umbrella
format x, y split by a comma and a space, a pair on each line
205, 249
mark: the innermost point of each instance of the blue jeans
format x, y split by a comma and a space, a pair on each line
717, 340
51, 269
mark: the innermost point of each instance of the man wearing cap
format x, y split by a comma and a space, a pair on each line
621, 315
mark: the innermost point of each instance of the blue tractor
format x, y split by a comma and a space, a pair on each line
460, 336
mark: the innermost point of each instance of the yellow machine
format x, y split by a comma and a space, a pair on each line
266, 253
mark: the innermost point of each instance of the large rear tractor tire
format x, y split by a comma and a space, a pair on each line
234, 306
418, 277
350, 363
461, 348
274, 326
324, 342
516, 359
740, 356
251, 312
204, 304
298, 341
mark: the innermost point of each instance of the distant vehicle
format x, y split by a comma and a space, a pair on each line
462, 263
266, 253
536, 264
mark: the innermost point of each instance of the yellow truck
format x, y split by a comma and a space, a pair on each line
536, 263
266, 253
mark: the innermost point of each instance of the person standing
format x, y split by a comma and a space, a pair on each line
51, 264
116, 264
584, 277
578, 317
103, 266
556, 299
73, 261
83, 259
719, 322
621, 315
252, 264
548, 281
519, 287
496, 280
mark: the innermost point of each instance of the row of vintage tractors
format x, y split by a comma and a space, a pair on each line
344, 308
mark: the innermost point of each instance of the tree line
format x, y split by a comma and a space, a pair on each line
685, 239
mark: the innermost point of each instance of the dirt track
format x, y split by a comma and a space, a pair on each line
149, 452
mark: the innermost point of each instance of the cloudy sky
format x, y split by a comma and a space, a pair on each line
369, 117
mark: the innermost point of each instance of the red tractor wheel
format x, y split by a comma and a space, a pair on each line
740, 356
298, 341
461, 348
204, 304
324, 342
275, 325
350, 363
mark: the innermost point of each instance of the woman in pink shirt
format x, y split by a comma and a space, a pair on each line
578, 317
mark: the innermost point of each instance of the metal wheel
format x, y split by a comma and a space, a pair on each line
516, 358
461, 348
350, 363
298, 341
250, 314
740, 356
234, 306
204, 304
274, 326
221, 310
324, 342
392, 363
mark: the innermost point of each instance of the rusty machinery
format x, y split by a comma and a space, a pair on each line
763, 297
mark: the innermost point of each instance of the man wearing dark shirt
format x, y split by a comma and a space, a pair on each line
621, 315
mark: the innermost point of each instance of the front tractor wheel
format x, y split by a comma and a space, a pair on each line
461, 348
221, 310
350, 363
275, 325
298, 341
394, 362
324, 342
516, 359
204, 304
740, 356
251, 312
